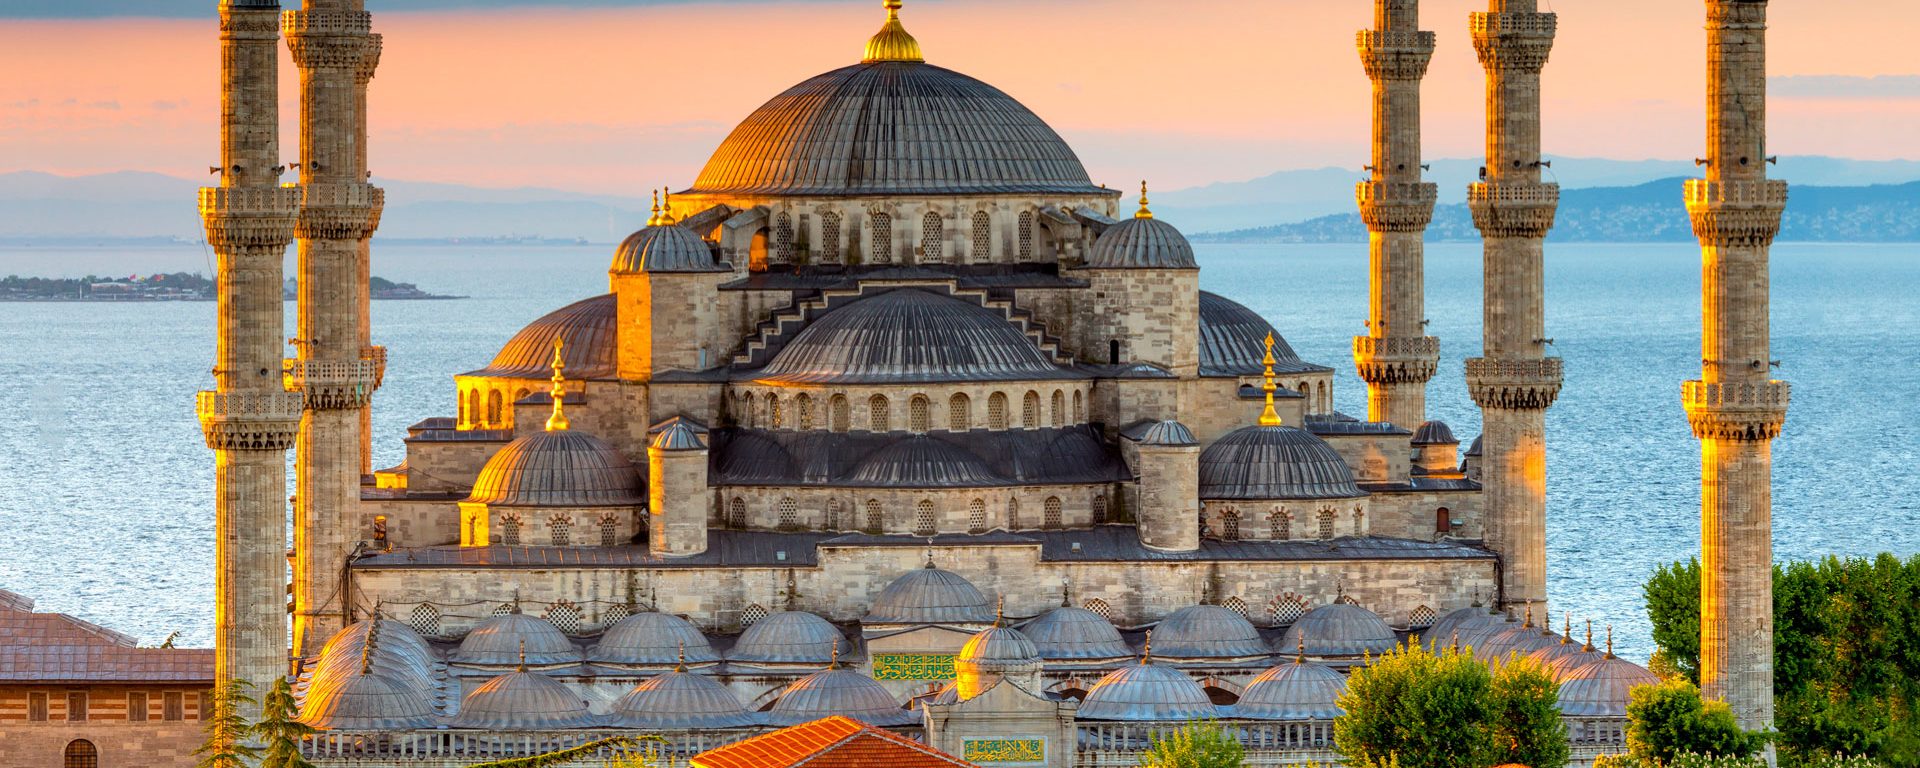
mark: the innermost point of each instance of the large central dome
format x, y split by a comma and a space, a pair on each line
893, 128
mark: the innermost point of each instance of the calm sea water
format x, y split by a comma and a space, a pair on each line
106, 489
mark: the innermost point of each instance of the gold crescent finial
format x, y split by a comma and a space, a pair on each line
654, 220
523, 656
1146, 650
558, 421
1143, 213
893, 43
1301, 649
834, 663
1000, 612
1269, 417
1589, 646
666, 205
682, 666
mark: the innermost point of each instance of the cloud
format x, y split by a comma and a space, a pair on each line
201, 9
1850, 87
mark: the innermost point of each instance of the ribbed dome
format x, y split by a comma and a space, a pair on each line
1554, 655
524, 701
653, 638
1165, 433
587, 327
893, 128
788, 637
1139, 243
1601, 688
923, 462
1296, 690
1434, 433
1511, 639
908, 336
838, 692
678, 436
405, 666
681, 700
365, 702
1264, 463
497, 643
1233, 341
559, 468
663, 248
999, 649
930, 596
1076, 634
392, 633
1207, 632
1340, 629
1147, 692
1463, 623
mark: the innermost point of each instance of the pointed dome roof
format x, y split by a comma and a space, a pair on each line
838, 692
681, 700
497, 642
1264, 463
1073, 634
587, 327
1601, 688
1233, 341
910, 335
930, 596
365, 701
922, 461
1207, 632
1434, 433
1147, 691
523, 701
653, 638
1340, 629
1297, 690
788, 637
1141, 243
558, 468
663, 248
999, 649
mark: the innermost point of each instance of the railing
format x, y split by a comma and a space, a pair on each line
1513, 194
1419, 347
1293, 743
1526, 24
248, 405
1762, 396
1375, 40
424, 748
1743, 193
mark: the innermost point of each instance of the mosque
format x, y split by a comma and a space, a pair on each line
893, 413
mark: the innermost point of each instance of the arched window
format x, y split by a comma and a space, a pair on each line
1079, 409
1026, 235
493, 408
830, 238
919, 414
1326, 523
1236, 605
752, 615
1359, 521
560, 528
1422, 618
425, 619
803, 411
1099, 607
923, 522
840, 413
503, 609
959, 413
1324, 403
1030, 410
510, 530
1443, 521
933, 239
1279, 525
1052, 511
1230, 525
1058, 413
783, 239
877, 413
737, 513
81, 754
748, 409
977, 516
982, 237
773, 411
1287, 609
1013, 514
565, 616
836, 515
609, 530
473, 408
614, 615
1100, 509
881, 243
789, 513
997, 411
876, 516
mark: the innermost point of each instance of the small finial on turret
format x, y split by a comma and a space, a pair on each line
654, 220
1566, 636
1609, 641
558, 421
834, 662
1455, 648
523, 657
1529, 624
1143, 213
1300, 651
1000, 612
516, 601
366, 658
1588, 648
666, 206
1146, 649
682, 666
929, 564
1269, 417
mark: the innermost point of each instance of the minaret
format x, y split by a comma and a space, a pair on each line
1736, 408
250, 419
1396, 358
336, 371
1515, 382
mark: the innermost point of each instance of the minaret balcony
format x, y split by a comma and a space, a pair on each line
1396, 206
341, 211
249, 216
1396, 360
1395, 55
333, 384
1518, 42
1746, 411
378, 356
1514, 385
1736, 212
249, 420
1513, 209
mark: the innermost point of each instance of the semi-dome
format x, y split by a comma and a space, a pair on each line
999, 649
1233, 341
1142, 242
930, 596
500, 640
1147, 691
1070, 634
838, 692
1207, 632
558, 468
1434, 433
524, 701
906, 336
587, 327
789, 637
663, 248
1297, 690
1340, 629
921, 461
681, 700
365, 701
653, 638
1601, 688
1263, 463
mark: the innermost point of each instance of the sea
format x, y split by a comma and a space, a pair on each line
106, 488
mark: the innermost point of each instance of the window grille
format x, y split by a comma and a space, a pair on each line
425, 619
959, 413
1100, 509
1347, 600
1422, 618
877, 413
502, 609
1279, 525
933, 239
1236, 605
789, 513
1030, 410
830, 238
841, 413
773, 411
565, 616
997, 411
1326, 523
609, 531
737, 513
882, 241
136, 706
783, 239
1099, 607
1079, 409
1230, 525
173, 706
977, 516
618, 613
510, 530
1013, 514
876, 516
81, 753
1052, 511
1058, 412
1026, 235
752, 615
923, 522
803, 412
919, 414
1287, 609
560, 527
982, 237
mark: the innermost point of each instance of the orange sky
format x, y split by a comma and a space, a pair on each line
619, 100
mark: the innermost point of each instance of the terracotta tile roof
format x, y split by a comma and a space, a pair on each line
57, 648
834, 742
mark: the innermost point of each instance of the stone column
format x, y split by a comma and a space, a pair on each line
250, 420
678, 502
330, 42
1736, 408
1396, 358
1169, 469
1514, 382
362, 77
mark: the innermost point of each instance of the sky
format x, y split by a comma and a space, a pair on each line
617, 96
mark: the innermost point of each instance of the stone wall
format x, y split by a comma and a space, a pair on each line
813, 509
1287, 520
987, 405
26, 742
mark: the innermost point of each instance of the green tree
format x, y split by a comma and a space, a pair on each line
280, 730
1419, 709
1673, 604
1195, 745
226, 728
1668, 720
1527, 727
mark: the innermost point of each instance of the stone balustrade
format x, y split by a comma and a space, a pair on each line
1736, 411
249, 420
1514, 384
333, 384
1733, 213
249, 216
1513, 209
1396, 206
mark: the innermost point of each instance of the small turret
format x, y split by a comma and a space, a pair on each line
678, 504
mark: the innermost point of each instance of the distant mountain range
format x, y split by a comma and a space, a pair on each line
1604, 199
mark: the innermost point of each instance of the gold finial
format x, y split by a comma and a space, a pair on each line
366, 657
1455, 648
834, 663
1566, 638
1300, 651
1143, 213
893, 43
1269, 417
682, 666
1609, 641
1000, 612
666, 206
523, 657
1589, 645
558, 421
1529, 624
654, 220
1146, 650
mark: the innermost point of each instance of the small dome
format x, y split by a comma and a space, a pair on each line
1233, 341
1553, 655
1462, 623
653, 638
392, 633
679, 436
396, 663
930, 596
663, 248
524, 701
1601, 688
1147, 691
907, 336
1207, 632
788, 637
558, 468
1264, 463
1474, 450
497, 642
1298, 690
1511, 639
1072, 634
681, 701
1141, 243
1434, 433
1165, 433
838, 692
999, 649
923, 462
587, 327
365, 701
1340, 629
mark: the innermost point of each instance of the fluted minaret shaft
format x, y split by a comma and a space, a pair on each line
336, 370
249, 420
1396, 358
1514, 382
1736, 408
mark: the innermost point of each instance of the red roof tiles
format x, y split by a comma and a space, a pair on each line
57, 648
834, 742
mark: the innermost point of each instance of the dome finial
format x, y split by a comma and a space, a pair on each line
666, 206
523, 657
682, 666
893, 43
1300, 651
1589, 646
1455, 647
1146, 650
1529, 624
654, 220
834, 663
558, 421
1269, 417
1566, 636
1143, 213
1000, 612
1609, 641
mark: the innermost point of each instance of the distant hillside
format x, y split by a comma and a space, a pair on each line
1651, 212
